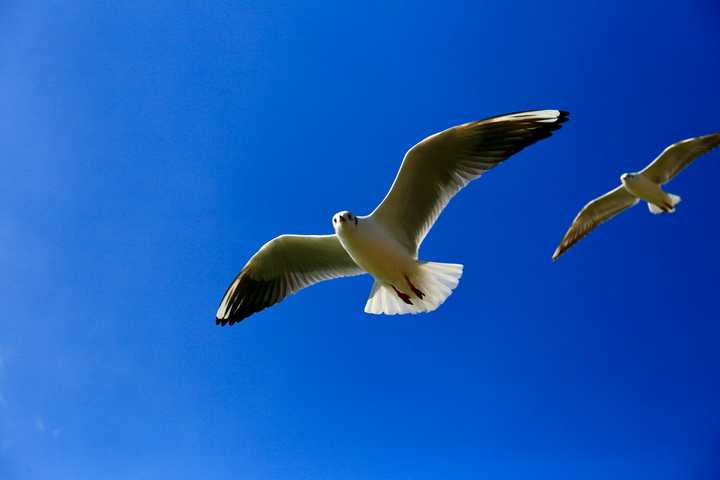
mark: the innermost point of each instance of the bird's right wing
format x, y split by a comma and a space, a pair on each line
438, 167
593, 214
280, 268
679, 155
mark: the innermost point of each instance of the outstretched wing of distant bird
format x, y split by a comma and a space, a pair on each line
593, 214
280, 268
679, 155
438, 167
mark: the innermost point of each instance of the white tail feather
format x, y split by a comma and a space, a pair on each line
674, 200
654, 209
435, 280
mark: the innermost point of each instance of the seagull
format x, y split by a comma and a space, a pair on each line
385, 243
643, 185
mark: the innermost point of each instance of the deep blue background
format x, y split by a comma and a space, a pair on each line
149, 148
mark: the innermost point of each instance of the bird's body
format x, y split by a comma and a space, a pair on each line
645, 189
402, 283
375, 250
386, 243
643, 185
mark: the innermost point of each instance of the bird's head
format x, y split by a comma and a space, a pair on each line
344, 220
627, 176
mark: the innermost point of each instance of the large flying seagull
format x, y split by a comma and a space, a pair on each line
385, 243
642, 185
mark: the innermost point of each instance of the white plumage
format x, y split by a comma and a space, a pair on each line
385, 243
643, 185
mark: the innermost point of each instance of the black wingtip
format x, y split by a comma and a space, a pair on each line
227, 321
246, 296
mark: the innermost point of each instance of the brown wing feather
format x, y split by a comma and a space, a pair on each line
678, 156
597, 211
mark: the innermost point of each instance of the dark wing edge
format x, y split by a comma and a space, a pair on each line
283, 266
594, 213
473, 148
679, 155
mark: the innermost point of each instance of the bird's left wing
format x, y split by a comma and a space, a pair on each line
280, 268
679, 155
593, 214
435, 169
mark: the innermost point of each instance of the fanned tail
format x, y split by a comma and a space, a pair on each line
669, 207
428, 288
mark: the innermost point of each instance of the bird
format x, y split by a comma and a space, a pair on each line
636, 186
386, 242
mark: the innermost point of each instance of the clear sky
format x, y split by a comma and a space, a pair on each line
149, 148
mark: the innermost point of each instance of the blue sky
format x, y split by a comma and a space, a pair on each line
149, 148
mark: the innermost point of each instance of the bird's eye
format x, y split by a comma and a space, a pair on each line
334, 220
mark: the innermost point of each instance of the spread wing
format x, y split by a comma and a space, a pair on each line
593, 214
280, 268
438, 167
679, 155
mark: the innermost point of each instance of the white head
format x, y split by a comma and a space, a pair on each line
344, 220
627, 176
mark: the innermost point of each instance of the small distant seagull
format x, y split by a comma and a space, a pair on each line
643, 185
385, 243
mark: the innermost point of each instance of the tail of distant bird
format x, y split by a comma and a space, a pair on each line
667, 208
428, 288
